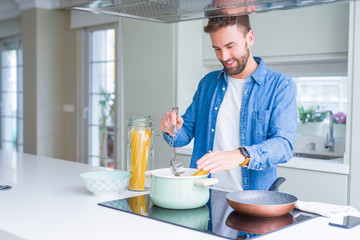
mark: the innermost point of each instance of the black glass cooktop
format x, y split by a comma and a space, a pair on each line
216, 217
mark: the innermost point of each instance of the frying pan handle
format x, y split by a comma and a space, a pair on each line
276, 184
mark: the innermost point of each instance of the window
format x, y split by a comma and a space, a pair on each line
11, 95
101, 97
326, 92
314, 129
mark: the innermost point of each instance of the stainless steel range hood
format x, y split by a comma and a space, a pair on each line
168, 11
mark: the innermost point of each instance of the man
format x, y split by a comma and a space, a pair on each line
243, 118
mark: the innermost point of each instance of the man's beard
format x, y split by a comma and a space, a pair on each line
241, 63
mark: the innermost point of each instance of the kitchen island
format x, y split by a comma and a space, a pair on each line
49, 201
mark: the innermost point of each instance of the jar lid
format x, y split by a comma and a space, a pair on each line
140, 121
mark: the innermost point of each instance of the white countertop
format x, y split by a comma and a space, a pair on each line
48, 201
330, 166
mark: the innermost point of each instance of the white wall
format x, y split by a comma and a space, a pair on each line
49, 81
11, 27
148, 55
29, 39
50, 57
190, 68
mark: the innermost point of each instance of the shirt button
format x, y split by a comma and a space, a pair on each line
216, 108
212, 130
223, 89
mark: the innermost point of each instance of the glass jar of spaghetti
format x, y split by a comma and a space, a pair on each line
140, 152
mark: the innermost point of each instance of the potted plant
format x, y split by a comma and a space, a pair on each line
339, 124
310, 121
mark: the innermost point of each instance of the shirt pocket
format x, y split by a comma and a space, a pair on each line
261, 121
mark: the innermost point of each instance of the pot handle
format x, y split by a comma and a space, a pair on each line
207, 182
148, 174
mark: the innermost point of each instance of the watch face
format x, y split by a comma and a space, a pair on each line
244, 152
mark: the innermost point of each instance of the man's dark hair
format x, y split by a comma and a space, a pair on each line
242, 22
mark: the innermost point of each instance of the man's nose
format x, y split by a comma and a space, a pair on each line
225, 55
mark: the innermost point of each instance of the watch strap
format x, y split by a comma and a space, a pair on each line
246, 155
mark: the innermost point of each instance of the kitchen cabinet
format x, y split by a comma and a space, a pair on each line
306, 34
309, 185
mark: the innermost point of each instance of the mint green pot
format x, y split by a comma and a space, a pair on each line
196, 218
183, 192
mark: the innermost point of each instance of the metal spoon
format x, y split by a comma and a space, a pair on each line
175, 164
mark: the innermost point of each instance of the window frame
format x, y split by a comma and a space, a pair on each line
19, 93
85, 94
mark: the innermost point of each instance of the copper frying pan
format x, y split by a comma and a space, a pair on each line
257, 225
262, 203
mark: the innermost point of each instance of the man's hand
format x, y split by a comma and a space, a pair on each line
168, 122
217, 161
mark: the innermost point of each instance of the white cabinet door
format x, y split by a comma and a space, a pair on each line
314, 186
305, 34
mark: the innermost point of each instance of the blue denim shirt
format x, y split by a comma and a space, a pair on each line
268, 122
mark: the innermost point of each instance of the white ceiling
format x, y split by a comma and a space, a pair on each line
12, 8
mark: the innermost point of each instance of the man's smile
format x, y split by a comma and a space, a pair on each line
229, 63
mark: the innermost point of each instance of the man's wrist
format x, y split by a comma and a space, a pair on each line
246, 155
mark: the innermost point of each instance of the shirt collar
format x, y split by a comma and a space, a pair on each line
258, 74
222, 74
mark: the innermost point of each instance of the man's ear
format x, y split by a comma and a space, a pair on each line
250, 38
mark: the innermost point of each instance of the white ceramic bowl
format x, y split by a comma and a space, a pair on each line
105, 183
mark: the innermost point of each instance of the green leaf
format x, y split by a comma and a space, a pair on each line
309, 114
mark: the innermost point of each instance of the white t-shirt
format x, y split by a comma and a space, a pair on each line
227, 132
